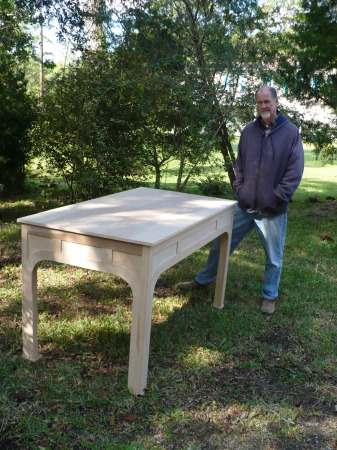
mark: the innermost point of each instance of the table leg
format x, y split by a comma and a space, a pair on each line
140, 343
29, 313
140, 333
220, 286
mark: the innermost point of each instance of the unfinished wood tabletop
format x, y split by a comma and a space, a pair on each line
144, 215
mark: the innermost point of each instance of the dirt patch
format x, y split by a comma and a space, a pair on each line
322, 209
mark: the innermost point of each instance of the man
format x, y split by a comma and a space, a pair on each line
268, 168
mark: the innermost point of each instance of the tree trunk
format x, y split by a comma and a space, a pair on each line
93, 25
41, 65
220, 128
158, 177
227, 153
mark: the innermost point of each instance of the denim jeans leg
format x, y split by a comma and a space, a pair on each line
242, 225
208, 273
272, 234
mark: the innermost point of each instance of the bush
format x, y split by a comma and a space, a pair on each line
216, 187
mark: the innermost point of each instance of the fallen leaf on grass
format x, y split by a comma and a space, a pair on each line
131, 417
326, 238
109, 370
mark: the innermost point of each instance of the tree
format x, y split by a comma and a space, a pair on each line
313, 74
69, 15
218, 43
308, 68
16, 110
88, 130
171, 114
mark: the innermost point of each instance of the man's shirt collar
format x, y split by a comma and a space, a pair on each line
267, 128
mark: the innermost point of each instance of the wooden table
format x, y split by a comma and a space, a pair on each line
137, 235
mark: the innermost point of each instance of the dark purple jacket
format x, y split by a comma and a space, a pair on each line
268, 168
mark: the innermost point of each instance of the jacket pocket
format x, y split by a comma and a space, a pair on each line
269, 202
245, 197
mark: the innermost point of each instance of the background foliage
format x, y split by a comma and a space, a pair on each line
16, 107
157, 81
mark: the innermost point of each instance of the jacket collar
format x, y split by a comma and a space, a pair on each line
267, 129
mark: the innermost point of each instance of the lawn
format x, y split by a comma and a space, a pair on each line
230, 379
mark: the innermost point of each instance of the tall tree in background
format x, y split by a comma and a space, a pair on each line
218, 42
69, 16
308, 68
312, 72
16, 108
171, 112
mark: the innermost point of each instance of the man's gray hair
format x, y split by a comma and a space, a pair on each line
272, 91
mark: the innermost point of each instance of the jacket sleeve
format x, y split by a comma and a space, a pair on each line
238, 171
293, 173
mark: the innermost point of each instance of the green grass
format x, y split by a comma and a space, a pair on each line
230, 379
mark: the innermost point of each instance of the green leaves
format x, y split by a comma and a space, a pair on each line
315, 32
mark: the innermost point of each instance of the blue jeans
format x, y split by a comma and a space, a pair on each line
272, 232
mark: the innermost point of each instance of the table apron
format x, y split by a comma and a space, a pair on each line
115, 257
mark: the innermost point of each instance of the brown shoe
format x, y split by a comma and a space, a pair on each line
190, 285
268, 306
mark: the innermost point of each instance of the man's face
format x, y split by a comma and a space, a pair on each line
266, 105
